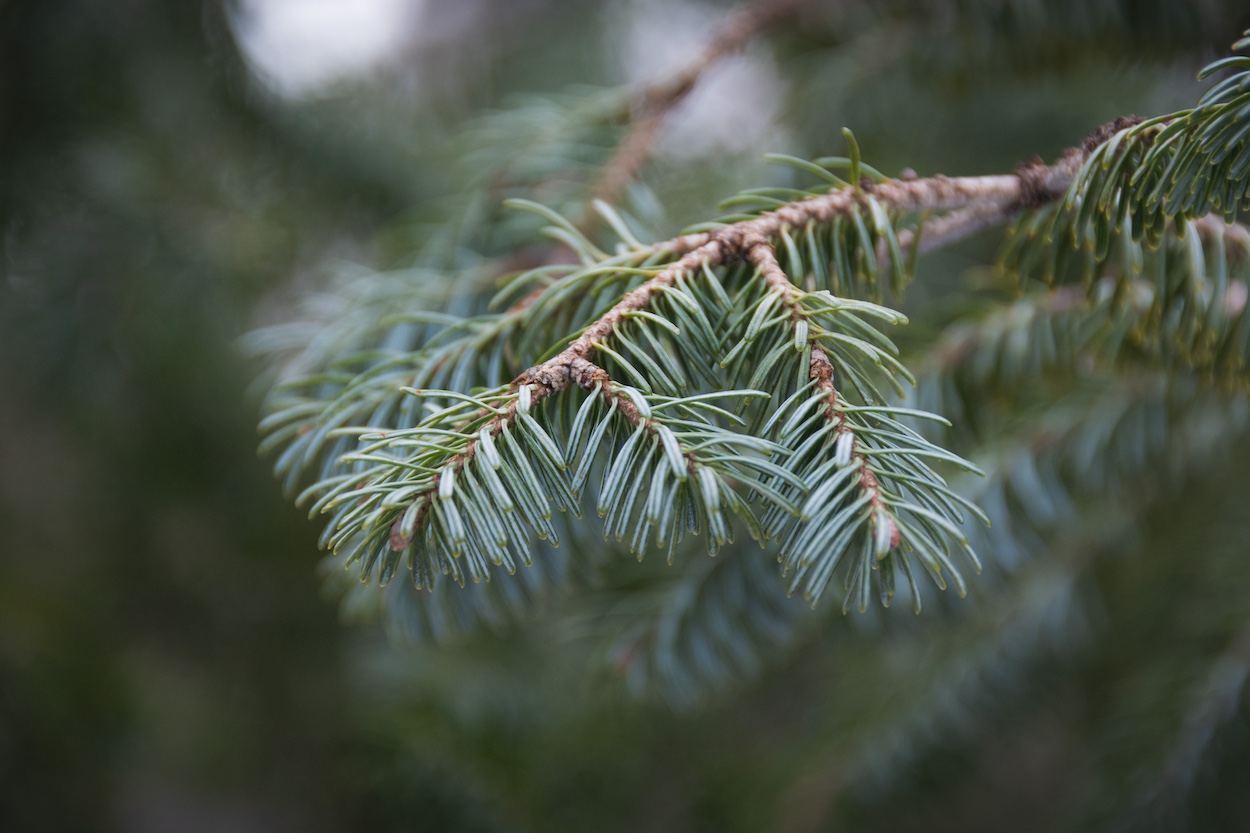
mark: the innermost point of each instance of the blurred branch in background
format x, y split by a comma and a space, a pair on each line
658, 98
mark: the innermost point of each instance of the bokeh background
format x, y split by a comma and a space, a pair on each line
173, 175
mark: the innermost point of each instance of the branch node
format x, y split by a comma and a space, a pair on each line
1106, 131
1033, 173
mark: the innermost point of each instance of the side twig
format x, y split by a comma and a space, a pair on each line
764, 257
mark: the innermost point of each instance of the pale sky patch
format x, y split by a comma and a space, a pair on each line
299, 47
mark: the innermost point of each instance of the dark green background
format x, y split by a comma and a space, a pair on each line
167, 658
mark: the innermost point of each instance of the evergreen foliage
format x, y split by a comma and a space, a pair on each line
738, 381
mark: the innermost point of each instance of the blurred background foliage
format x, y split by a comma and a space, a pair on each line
172, 174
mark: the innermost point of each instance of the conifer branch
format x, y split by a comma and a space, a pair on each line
978, 199
751, 240
469, 466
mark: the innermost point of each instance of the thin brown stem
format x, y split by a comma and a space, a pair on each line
821, 372
588, 376
762, 254
658, 99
